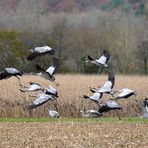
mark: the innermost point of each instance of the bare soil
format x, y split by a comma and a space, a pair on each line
74, 135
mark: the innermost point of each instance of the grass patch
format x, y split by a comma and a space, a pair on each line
76, 120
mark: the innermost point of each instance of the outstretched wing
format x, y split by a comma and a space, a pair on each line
104, 58
52, 69
32, 56
4, 75
40, 51
125, 93
103, 109
96, 96
43, 98
8, 72
43, 74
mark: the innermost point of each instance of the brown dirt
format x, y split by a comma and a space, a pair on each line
74, 135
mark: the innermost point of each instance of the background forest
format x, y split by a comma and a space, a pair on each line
75, 28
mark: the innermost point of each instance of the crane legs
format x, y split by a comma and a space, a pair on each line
118, 115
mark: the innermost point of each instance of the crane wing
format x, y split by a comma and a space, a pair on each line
125, 92
105, 88
34, 87
40, 51
102, 60
32, 56
112, 105
51, 70
96, 96
41, 99
4, 75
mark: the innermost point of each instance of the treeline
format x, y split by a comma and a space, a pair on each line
74, 36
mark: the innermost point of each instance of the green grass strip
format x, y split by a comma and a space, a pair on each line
76, 120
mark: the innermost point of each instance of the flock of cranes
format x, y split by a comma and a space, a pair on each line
51, 93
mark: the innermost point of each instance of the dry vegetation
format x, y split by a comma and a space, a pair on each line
73, 135
70, 134
15, 104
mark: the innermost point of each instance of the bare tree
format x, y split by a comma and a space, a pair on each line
142, 54
58, 35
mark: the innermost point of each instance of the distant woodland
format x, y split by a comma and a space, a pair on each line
75, 29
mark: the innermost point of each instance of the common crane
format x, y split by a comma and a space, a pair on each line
41, 99
53, 114
107, 87
96, 97
32, 87
91, 114
49, 73
103, 60
110, 105
125, 93
38, 51
9, 72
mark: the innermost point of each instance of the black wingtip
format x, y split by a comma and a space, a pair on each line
104, 108
52, 52
21, 90
92, 90
105, 52
85, 97
90, 58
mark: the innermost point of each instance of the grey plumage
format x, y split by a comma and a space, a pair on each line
38, 51
103, 60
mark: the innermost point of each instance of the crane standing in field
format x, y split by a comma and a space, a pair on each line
145, 109
53, 114
91, 114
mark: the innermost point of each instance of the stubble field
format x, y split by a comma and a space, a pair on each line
70, 134
74, 135
15, 103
